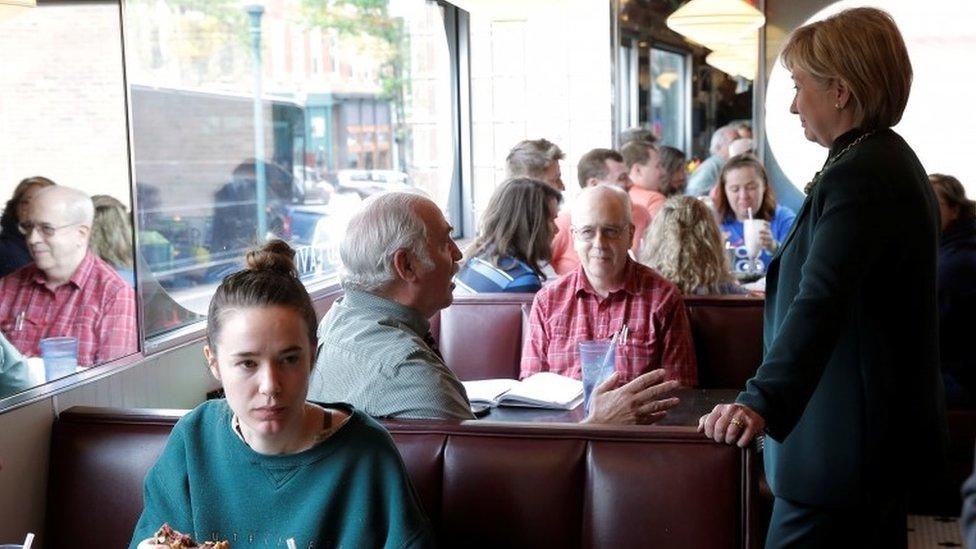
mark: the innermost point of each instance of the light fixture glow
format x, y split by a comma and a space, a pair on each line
739, 57
711, 22
665, 79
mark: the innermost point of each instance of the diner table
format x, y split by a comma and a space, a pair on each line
694, 404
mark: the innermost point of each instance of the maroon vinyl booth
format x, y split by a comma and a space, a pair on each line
481, 336
481, 484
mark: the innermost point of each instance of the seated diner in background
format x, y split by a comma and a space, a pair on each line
67, 291
111, 236
597, 167
675, 176
14, 253
607, 291
515, 240
536, 159
703, 179
683, 245
744, 191
646, 175
242, 468
956, 290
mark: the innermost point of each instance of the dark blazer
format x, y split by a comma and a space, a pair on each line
850, 386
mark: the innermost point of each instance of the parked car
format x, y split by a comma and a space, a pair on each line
368, 182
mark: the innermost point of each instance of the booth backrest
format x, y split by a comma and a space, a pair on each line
481, 336
482, 484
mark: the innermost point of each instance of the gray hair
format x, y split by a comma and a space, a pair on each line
78, 207
387, 222
530, 158
601, 193
722, 137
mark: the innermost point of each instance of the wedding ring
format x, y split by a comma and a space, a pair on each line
737, 422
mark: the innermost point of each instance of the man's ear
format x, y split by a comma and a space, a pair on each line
84, 231
592, 182
211, 357
404, 265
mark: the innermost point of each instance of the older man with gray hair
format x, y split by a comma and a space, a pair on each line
704, 178
67, 291
607, 291
375, 348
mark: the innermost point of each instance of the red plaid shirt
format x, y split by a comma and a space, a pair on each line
569, 311
95, 306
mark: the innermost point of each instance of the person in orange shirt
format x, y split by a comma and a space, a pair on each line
643, 163
597, 167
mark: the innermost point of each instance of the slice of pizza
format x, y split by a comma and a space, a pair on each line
169, 537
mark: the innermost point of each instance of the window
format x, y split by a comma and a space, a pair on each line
229, 146
63, 117
668, 97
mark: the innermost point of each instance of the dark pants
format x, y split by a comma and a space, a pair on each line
882, 524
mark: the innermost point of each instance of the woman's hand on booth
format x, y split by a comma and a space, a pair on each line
732, 424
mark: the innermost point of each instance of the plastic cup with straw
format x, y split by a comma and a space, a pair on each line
597, 363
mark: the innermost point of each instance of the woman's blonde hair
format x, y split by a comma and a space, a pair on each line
111, 232
864, 48
684, 245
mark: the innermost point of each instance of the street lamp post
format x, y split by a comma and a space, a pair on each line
255, 11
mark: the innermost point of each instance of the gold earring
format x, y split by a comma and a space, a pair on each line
837, 106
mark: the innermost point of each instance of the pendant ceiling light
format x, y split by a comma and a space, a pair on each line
715, 21
733, 63
739, 57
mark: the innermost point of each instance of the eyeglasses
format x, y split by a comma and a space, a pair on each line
46, 229
587, 233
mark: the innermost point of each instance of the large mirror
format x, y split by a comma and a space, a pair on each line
67, 299
677, 88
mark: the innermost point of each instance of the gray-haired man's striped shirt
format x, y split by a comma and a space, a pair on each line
372, 354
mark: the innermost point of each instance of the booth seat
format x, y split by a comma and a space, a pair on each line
481, 336
481, 484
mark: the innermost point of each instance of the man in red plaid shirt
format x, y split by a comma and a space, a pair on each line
607, 291
67, 290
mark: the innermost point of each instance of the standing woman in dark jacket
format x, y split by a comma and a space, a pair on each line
849, 392
13, 245
957, 290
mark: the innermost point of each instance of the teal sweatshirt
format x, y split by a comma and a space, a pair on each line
350, 490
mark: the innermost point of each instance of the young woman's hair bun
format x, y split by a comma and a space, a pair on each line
275, 256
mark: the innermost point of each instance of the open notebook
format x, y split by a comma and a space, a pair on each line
542, 390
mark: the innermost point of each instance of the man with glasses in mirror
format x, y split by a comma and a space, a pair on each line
597, 167
606, 292
67, 291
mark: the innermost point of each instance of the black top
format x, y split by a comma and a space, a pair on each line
13, 246
850, 386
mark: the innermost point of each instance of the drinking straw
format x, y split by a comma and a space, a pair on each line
291, 543
29, 540
611, 352
750, 212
